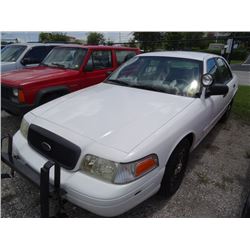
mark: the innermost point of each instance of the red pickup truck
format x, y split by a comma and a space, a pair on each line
66, 69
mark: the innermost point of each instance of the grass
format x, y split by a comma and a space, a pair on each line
241, 106
236, 61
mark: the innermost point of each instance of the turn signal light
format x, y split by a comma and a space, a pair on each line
21, 97
145, 166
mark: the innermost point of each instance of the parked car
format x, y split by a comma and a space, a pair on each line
64, 70
20, 55
121, 141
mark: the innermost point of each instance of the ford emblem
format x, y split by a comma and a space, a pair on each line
45, 146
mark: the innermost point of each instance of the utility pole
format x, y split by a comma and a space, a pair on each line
229, 55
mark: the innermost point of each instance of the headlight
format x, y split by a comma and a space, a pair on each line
118, 173
24, 128
15, 92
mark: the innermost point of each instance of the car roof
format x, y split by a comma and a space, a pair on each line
73, 45
201, 56
98, 46
30, 45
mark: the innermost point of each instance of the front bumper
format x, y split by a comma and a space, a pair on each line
94, 195
41, 180
15, 108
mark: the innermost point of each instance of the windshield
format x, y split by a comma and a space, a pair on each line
170, 75
12, 53
68, 58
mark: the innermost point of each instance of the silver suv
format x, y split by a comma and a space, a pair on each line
20, 55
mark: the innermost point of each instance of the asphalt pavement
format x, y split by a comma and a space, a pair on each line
243, 71
216, 183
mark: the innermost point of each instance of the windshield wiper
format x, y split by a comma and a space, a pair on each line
59, 65
118, 82
147, 87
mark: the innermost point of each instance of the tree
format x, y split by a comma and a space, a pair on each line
95, 38
149, 41
184, 40
53, 37
109, 42
195, 40
173, 40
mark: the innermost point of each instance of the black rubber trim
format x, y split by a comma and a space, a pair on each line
50, 90
15, 108
62, 151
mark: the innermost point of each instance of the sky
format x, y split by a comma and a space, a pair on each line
33, 36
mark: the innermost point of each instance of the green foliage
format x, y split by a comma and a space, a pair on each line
241, 106
109, 42
239, 54
53, 37
131, 43
184, 40
148, 41
173, 40
95, 38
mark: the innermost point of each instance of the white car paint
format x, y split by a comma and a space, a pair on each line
10, 66
122, 124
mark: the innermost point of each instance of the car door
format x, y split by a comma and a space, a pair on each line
228, 79
222, 75
98, 67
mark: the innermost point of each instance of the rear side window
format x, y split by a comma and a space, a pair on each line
37, 54
100, 59
123, 55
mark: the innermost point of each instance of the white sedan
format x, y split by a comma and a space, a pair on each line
124, 140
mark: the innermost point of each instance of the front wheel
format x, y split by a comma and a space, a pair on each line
175, 169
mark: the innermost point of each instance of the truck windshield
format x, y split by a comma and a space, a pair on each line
177, 76
12, 52
68, 58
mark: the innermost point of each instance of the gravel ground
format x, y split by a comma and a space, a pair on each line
215, 185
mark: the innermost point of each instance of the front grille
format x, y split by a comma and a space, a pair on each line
58, 149
6, 92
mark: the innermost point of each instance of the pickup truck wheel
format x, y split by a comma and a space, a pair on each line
175, 169
48, 98
227, 112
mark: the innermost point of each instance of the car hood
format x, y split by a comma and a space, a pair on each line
114, 116
35, 74
7, 66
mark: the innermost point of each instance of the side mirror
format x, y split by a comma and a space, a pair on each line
29, 60
207, 80
217, 89
88, 68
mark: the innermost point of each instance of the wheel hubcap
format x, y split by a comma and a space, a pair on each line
178, 168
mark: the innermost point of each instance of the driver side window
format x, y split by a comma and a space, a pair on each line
225, 72
212, 69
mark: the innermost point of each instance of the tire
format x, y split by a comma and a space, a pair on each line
227, 112
175, 169
49, 97
246, 210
